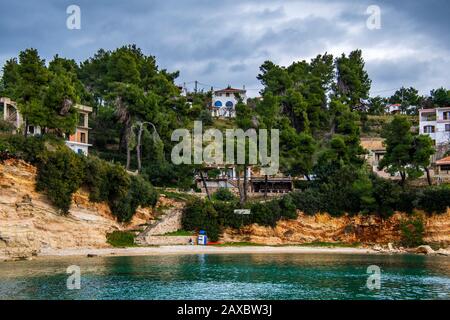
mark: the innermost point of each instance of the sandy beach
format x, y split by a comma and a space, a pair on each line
162, 250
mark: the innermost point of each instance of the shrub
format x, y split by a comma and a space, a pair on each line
121, 239
5, 126
96, 179
288, 208
227, 217
59, 176
407, 200
412, 232
224, 194
266, 213
387, 196
201, 215
31, 149
205, 117
434, 199
308, 201
140, 193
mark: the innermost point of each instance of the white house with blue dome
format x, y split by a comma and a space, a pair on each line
224, 102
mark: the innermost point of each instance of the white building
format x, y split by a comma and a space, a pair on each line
224, 102
436, 124
78, 142
397, 109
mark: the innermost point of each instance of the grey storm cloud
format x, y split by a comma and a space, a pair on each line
224, 42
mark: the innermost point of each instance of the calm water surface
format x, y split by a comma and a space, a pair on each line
234, 276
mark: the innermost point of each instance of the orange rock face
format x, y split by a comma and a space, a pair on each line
324, 228
29, 223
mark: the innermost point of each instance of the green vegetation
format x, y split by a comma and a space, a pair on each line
412, 232
59, 176
214, 216
179, 233
321, 108
406, 153
121, 239
224, 194
61, 172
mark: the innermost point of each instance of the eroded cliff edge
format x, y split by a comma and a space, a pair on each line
365, 229
29, 223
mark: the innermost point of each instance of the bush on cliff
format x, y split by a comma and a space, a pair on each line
224, 194
201, 215
31, 149
434, 199
139, 193
412, 231
124, 193
59, 176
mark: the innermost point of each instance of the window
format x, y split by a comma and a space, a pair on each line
81, 120
31, 129
445, 167
218, 104
428, 129
227, 94
447, 127
83, 137
229, 104
446, 116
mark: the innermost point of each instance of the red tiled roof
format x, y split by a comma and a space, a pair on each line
230, 90
445, 160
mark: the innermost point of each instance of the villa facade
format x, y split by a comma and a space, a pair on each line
436, 124
224, 102
78, 142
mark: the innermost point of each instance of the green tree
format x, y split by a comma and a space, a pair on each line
10, 78
353, 83
407, 97
441, 97
377, 105
422, 150
31, 87
398, 140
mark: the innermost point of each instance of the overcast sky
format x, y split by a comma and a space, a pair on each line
221, 42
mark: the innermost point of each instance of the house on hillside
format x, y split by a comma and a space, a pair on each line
226, 177
376, 151
224, 101
11, 114
78, 142
435, 123
396, 108
443, 168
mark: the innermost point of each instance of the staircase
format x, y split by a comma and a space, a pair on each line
170, 221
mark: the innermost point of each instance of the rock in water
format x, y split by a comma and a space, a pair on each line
424, 249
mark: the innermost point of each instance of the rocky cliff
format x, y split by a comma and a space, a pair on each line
30, 224
324, 228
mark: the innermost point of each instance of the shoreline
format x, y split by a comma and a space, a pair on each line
185, 250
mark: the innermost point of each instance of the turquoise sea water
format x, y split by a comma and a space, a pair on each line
229, 276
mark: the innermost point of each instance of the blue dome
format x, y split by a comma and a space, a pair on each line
217, 104
229, 104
